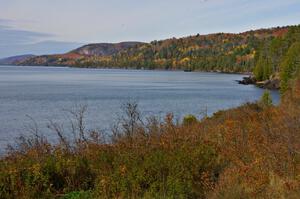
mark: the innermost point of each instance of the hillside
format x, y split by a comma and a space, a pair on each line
104, 49
83, 53
214, 52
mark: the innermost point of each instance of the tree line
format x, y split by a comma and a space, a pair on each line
222, 52
280, 55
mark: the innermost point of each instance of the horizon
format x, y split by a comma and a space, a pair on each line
26, 29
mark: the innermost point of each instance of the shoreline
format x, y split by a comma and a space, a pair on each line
270, 84
132, 68
248, 79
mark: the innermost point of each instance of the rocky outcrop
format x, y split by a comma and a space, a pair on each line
272, 84
247, 80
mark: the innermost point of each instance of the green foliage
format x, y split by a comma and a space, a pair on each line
266, 99
263, 70
78, 195
273, 55
189, 120
290, 66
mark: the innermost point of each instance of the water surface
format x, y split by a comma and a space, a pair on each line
44, 93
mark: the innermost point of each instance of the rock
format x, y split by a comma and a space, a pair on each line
273, 83
247, 80
260, 84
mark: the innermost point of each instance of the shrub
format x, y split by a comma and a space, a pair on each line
266, 99
78, 195
189, 120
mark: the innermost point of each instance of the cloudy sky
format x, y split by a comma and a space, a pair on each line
68, 23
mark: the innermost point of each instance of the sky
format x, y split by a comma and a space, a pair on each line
29, 26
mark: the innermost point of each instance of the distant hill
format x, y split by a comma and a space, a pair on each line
226, 52
15, 59
104, 49
85, 52
40, 48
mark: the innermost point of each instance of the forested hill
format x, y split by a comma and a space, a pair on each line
224, 52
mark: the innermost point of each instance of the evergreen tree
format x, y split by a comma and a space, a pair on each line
262, 70
267, 71
266, 99
290, 65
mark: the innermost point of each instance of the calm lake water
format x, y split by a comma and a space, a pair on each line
44, 93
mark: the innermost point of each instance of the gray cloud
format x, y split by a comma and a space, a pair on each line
11, 36
5, 21
17, 42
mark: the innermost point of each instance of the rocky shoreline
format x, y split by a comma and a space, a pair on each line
272, 84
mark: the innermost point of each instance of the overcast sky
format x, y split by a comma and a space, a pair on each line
86, 21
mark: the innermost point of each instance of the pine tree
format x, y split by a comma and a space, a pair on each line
262, 69
258, 70
267, 69
266, 99
290, 65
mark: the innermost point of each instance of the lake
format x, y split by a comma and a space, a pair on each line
45, 93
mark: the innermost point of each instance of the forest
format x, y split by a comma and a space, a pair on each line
221, 52
279, 56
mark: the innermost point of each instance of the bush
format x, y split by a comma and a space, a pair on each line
78, 195
266, 99
189, 120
